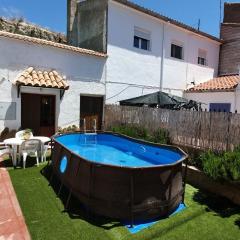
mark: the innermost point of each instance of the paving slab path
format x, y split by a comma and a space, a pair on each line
12, 223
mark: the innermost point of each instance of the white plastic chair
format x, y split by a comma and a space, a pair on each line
20, 134
4, 149
31, 148
45, 148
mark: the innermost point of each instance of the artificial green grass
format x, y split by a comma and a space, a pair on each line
206, 217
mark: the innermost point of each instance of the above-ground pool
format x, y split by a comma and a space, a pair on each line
120, 177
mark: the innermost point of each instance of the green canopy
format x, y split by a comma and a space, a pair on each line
162, 100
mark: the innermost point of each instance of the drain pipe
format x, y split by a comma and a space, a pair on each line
162, 57
236, 93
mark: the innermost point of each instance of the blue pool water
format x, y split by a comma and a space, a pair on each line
115, 150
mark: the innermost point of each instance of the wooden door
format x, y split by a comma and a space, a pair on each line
30, 114
91, 109
38, 113
47, 115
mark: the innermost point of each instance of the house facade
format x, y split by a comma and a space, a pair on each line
222, 93
116, 50
147, 52
33, 100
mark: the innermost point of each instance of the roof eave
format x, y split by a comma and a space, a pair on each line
168, 20
212, 90
36, 86
44, 42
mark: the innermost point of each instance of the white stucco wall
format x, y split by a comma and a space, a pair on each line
215, 97
84, 73
140, 71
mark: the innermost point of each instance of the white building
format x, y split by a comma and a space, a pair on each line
41, 107
143, 52
147, 52
218, 94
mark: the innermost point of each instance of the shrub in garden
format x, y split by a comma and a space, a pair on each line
158, 136
131, 131
225, 166
6, 133
68, 129
161, 136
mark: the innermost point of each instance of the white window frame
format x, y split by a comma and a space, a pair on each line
179, 44
142, 34
206, 60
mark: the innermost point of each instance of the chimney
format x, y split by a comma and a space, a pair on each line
72, 22
231, 13
229, 60
87, 24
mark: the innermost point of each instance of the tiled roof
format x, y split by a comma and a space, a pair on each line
219, 84
166, 19
35, 78
52, 44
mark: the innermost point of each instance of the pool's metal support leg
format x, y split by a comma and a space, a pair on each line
51, 178
184, 180
88, 213
68, 199
170, 189
132, 201
91, 179
60, 189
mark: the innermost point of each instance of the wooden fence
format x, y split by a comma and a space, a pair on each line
206, 130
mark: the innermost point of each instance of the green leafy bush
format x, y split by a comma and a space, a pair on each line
225, 166
193, 156
158, 136
68, 129
131, 131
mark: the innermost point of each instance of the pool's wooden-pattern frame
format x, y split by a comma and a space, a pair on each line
130, 194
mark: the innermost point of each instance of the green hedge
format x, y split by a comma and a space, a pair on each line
158, 136
225, 166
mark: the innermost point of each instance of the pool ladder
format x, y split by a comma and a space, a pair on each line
94, 126
94, 134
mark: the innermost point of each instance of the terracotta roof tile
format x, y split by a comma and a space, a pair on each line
34, 78
52, 44
222, 83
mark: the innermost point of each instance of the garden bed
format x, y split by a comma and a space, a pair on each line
229, 190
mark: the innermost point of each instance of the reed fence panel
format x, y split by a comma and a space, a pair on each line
206, 130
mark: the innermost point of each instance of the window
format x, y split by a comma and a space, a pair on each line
176, 51
220, 107
142, 39
202, 57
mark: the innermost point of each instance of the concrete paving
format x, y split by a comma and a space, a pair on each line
12, 223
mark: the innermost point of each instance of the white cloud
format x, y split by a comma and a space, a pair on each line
10, 12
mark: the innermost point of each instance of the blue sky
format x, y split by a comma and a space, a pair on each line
52, 13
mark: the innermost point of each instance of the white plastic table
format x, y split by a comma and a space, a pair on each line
15, 142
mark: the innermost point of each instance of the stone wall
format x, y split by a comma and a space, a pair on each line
231, 13
230, 51
198, 179
229, 62
19, 26
72, 28
87, 24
